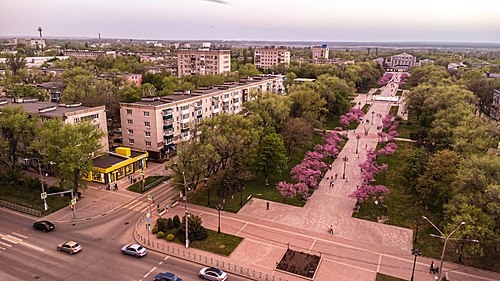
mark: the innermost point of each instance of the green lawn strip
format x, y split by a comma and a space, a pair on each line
23, 196
394, 110
399, 92
404, 208
257, 186
217, 243
407, 127
383, 277
333, 122
365, 108
136, 187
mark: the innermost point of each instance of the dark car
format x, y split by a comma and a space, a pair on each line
44, 226
118, 140
167, 276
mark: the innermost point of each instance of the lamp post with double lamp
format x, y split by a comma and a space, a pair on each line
345, 159
373, 113
446, 238
416, 253
45, 206
219, 207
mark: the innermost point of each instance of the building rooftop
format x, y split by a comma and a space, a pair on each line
107, 160
44, 109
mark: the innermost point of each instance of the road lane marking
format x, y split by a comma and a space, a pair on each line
378, 264
2, 248
152, 269
310, 248
15, 238
160, 263
166, 258
22, 236
31, 246
131, 207
5, 244
237, 233
129, 203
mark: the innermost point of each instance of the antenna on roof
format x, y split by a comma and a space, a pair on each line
100, 39
41, 38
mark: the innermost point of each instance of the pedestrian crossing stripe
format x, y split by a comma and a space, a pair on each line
6, 238
134, 205
5, 244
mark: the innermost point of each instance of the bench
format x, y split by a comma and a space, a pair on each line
175, 203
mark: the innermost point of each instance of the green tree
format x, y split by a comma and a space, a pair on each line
195, 229
71, 147
297, 134
271, 156
130, 94
153, 79
271, 110
336, 92
17, 131
148, 90
26, 91
248, 70
307, 104
16, 63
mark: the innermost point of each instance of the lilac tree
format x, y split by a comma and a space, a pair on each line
287, 190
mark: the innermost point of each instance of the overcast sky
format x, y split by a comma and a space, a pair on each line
280, 20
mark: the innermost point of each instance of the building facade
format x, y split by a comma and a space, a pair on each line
268, 57
85, 54
69, 113
402, 61
203, 61
157, 124
320, 52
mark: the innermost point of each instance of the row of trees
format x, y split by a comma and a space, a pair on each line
450, 169
66, 148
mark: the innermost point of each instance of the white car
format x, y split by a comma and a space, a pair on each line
135, 250
212, 273
70, 247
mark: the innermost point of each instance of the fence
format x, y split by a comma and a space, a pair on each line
156, 182
201, 259
20, 208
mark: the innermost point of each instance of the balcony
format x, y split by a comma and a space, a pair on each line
168, 116
215, 110
168, 127
169, 132
168, 122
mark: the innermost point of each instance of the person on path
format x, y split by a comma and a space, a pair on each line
431, 268
336, 176
166, 207
267, 206
115, 187
331, 183
330, 230
158, 207
108, 186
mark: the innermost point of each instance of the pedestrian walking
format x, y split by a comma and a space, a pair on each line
431, 268
131, 178
115, 187
166, 207
336, 175
158, 207
330, 230
108, 187
267, 206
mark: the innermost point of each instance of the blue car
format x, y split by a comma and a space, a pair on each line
134, 250
167, 276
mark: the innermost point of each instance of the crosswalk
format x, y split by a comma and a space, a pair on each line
135, 205
14, 239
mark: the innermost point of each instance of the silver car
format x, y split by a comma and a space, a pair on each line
212, 273
135, 250
70, 247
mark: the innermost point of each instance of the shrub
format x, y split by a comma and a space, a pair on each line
170, 224
155, 229
160, 234
170, 237
177, 221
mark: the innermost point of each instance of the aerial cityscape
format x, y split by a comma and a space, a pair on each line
250, 140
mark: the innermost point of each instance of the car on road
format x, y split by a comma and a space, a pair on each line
135, 250
44, 226
167, 276
213, 274
70, 247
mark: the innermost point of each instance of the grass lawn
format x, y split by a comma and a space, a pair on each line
365, 108
394, 110
399, 92
136, 187
407, 127
383, 277
217, 243
404, 209
24, 196
257, 186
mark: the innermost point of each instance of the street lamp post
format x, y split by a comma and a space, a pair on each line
416, 253
241, 196
345, 159
208, 192
219, 207
186, 209
357, 144
446, 238
45, 206
373, 113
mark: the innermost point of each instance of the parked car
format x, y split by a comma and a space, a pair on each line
167, 276
70, 247
134, 250
44, 226
117, 131
213, 274
118, 140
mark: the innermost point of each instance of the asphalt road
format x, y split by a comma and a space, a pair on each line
27, 254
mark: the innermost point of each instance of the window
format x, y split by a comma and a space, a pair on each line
148, 143
147, 124
131, 141
130, 132
129, 111
146, 113
130, 121
147, 134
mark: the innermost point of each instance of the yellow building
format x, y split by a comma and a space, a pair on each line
111, 166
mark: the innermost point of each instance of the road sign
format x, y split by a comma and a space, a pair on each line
149, 219
73, 201
148, 215
142, 173
43, 195
150, 198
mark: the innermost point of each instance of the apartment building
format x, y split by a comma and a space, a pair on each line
268, 57
203, 61
86, 54
320, 52
69, 113
157, 124
402, 61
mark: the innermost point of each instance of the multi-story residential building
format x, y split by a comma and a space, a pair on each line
320, 52
402, 61
33, 42
495, 106
203, 61
169, 68
133, 79
86, 54
157, 124
268, 57
54, 88
69, 113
